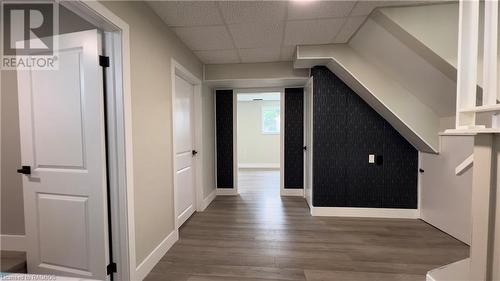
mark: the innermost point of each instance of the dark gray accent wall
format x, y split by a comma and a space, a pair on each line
294, 138
346, 131
224, 135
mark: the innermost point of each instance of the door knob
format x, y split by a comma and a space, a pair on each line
194, 152
24, 170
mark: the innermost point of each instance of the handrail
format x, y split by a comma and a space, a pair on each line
465, 165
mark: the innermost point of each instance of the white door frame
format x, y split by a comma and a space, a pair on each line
308, 167
178, 69
119, 121
282, 132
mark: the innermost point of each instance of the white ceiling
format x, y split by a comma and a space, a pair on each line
263, 31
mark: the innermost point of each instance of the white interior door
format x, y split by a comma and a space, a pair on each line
62, 140
308, 141
185, 196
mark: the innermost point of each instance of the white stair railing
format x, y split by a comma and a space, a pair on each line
467, 67
465, 165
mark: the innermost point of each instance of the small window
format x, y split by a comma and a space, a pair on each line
270, 119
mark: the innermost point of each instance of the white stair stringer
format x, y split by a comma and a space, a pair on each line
414, 120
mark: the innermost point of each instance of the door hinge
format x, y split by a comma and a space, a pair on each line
104, 61
111, 268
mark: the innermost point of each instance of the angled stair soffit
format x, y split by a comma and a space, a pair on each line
414, 120
444, 60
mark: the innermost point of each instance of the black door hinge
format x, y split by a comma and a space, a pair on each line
104, 61
111, 268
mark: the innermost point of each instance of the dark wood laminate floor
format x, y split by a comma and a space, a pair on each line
258, 236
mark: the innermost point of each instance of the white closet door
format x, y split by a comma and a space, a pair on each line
63, 142
184, 164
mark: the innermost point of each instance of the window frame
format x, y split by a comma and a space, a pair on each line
264, 107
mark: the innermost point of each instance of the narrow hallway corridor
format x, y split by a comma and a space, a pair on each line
258, 236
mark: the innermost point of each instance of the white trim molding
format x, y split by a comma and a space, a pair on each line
207, 200
226, 191
155, 256
365, 212
10, 242
292, 192
117, 41
259, 165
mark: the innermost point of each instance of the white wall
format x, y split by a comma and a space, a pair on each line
436, 26
271, 70
12, 212
152, 45
255, 148
446, 197
399, 62
208, 137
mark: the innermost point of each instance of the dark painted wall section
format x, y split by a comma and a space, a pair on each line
294, 138
224, 132
346, 131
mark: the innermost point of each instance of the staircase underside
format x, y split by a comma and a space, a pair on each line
408, 115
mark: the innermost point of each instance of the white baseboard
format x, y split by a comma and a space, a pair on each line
13, 242
365, 212
208, 200
259, 165
226, 191
458, 271
155, 256
292, 192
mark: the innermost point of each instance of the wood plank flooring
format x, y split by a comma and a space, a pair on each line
258, 236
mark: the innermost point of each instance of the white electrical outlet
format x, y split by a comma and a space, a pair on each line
371, 158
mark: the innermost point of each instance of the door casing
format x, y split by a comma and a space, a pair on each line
282, 134
116, 46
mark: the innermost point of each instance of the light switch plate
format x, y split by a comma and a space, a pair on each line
371, 158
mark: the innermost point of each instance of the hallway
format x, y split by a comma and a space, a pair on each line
258, 236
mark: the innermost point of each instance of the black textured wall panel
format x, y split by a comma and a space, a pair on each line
346, 130
294, 138
224, 130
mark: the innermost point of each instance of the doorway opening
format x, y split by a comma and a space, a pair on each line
259, 141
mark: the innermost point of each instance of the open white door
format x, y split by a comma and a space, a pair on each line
185, 195
62, 124
308, 141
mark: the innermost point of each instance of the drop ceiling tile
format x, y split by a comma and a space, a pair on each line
187, 13
218, 56
350, 27
259, 55
365, 7
205, 38
287, 53
252, 11
312, 32
257, 35
319, 9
